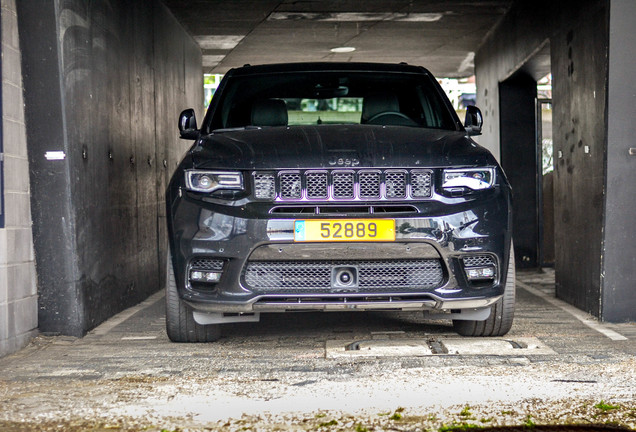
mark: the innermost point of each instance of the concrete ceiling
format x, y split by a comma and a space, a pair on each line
440, 35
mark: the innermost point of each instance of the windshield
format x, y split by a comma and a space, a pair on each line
315, 98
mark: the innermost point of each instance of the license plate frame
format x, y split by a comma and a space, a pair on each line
344, 230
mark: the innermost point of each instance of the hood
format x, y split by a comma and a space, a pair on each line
336, 146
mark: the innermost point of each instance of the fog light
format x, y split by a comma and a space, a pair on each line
204, 276
480, 273
212, 277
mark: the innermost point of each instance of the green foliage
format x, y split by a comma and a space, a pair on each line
329, 423
529, 423
466, 412
360, 428
458, 427
604, 406
396, 416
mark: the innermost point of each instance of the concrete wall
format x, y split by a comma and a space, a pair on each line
522, 34
619, 260
579, 70
593, 130
18, 291
104, 84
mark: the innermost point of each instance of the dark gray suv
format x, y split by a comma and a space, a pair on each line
336, 187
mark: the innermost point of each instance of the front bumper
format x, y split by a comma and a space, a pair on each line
244, 233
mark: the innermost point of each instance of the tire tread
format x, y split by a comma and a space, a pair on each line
501, 313
180, 324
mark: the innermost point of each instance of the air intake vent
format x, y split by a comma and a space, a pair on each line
310, 276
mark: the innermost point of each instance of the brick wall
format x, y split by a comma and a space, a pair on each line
18, 290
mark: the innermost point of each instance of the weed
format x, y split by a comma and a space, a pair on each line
466, 412
486, 420
604, 406
329, 423
529, 423
396, 416
321, 415
360, 428
458, 427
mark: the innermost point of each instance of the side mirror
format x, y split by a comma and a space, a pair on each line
188, 125
474, 120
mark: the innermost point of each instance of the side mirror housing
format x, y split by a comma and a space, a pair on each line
474, 120
188, 125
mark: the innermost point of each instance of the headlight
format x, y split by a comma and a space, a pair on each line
471, 178
209, 181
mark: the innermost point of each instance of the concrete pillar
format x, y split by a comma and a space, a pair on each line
104, 84
618, 276
578, 45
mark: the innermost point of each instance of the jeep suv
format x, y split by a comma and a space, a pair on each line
336, 187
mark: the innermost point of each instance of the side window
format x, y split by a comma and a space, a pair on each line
430, 111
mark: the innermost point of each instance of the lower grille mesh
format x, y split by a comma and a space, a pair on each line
205, 263
478, 261
266, 276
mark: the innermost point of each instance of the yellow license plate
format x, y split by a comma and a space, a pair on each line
334, 230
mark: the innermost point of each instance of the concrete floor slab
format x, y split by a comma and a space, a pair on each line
292, 372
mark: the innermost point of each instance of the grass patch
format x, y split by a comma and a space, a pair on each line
466, 412
604, 406
529, 423
458, 427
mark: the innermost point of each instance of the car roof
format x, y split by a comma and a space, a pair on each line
328, 66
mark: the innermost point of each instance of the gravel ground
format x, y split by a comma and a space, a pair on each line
278, 375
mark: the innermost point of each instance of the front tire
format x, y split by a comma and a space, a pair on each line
180, 324
501, 313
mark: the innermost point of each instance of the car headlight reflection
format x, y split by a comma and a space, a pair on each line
210, 181
470, 178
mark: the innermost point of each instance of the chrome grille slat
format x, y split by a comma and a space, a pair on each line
289, 185
369, 184
395, 182
264, 185
343, 185
317, 186
421, 184
312, 276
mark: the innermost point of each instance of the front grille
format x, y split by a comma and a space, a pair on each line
343, 184
205, 263
478, 261
313, 276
